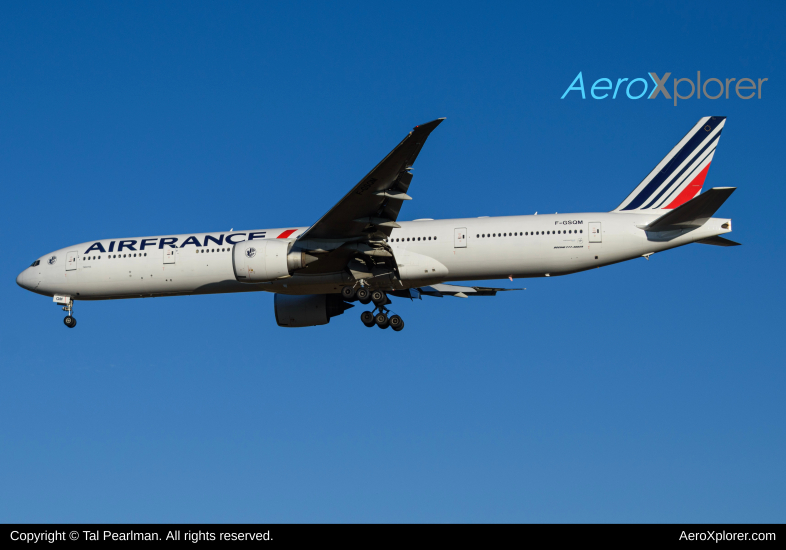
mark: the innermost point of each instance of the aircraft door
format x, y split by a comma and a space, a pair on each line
460, 237
595, 232
169, 255
71, 261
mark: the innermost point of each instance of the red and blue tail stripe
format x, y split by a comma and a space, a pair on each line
680, 175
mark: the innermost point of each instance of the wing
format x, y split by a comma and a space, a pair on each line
441, 290
373, 204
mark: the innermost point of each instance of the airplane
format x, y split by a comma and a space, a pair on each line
359, 251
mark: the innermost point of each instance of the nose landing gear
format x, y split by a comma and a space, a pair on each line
70, 320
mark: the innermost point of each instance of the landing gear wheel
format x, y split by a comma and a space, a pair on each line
382, 320
378, 297
367, 318
70, 322
348, 293
396, 323
363, 295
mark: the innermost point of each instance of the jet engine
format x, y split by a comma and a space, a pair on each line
267, 260
308, 310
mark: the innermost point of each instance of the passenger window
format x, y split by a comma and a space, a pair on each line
581, 231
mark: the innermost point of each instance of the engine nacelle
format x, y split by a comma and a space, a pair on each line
262, 260
267, 260
308, 310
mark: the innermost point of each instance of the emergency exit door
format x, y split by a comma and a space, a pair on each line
460, 238
595, 232
169, 255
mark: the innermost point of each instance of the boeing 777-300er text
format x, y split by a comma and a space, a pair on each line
358, 251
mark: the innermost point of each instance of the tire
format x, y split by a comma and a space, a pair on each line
363, 295
367, 318
382, 320
396, 323
378, 297
348, 293
70, 322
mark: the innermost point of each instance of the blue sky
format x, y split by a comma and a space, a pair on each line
645, 391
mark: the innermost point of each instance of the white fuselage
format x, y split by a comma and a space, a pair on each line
491, 248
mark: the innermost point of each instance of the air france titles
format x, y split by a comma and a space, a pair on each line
138, 245
637, 88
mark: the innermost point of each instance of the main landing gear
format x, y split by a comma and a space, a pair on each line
381, 318
70, 320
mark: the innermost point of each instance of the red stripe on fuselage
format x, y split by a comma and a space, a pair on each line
691, 190
286, 233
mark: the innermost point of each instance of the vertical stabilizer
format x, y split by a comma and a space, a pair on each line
680, 175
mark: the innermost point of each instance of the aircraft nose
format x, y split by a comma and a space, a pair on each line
25, 279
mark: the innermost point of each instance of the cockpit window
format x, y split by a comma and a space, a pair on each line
35, 263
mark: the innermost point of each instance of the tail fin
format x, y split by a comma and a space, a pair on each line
680, 175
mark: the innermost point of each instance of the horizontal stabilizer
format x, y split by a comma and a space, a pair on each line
718, 241
441, 290
693, 213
